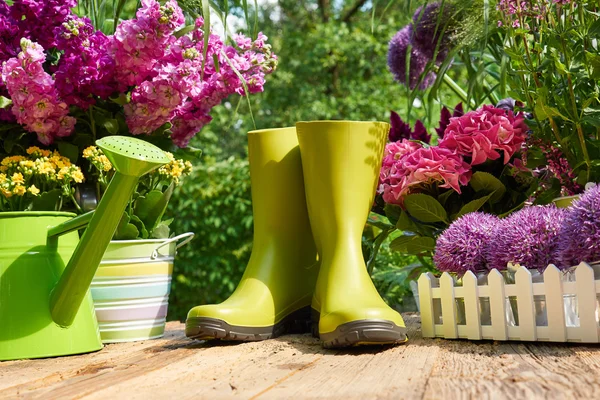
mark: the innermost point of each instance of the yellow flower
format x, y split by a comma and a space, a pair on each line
3, 179
37, 152
12, 160
60, 161
77, 175
5, 192
45, 167
89, 152
19, 190
17, 178
33, 190
104, 161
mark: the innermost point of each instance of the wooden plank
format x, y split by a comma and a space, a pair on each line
426, 301
587, 301
470, 370
525, 305
448, 306
472, 312
497, 305
555, 304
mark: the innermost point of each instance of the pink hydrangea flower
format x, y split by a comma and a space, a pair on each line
417, 167
482, 134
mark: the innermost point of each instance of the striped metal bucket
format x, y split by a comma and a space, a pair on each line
131, 288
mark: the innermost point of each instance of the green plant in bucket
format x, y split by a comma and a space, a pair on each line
142, 219
52, 314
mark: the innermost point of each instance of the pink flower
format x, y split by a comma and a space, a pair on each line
407, 167
481, 134
36, 103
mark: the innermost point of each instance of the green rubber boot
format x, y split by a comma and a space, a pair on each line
341, 162
275, 292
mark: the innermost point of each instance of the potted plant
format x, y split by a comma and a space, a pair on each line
69, 80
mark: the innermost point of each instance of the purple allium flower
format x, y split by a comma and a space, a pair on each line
580, 234
431, 30
462, 247
401, 130
397, 53
529, 237
445, 118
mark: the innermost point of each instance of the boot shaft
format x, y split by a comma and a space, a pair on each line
341, 162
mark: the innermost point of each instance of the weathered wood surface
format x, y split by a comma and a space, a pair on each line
297, 367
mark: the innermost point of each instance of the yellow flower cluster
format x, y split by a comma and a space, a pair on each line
175, 169
19, 175
97, 158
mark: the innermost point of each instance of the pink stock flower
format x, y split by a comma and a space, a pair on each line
483, 133
36, 103
407, 167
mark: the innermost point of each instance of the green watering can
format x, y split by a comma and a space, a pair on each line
45, 308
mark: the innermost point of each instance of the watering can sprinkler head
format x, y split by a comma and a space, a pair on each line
131, 158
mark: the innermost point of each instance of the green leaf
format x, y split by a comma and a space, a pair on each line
392, 212
425, 208
69, 150
161, 231
150, 208
489, 184
4, 102
594, 31
111, 126
401, 242
46, 201
420, 245
474, 205
125, 230
405, 223
140, 226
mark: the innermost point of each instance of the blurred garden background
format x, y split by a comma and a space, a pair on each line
332, 65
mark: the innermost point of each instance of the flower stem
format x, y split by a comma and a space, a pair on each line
458, 90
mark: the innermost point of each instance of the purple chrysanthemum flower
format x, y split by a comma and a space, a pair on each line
431, 30
580, 235
462, 247
397, 53
529, 237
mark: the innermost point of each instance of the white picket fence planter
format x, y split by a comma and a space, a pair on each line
554, 288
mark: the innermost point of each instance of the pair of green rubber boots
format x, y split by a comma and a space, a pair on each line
312, 189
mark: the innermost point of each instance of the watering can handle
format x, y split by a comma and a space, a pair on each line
186, 236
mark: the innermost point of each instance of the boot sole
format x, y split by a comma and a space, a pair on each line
362, 332
204, 328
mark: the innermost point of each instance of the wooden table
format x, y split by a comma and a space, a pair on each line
297, 367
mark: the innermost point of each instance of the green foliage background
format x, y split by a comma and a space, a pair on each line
332, 65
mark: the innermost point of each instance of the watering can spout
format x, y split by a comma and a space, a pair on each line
131, 158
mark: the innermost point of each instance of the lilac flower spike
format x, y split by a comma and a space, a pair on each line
462, 247
580, 235
397, 53
529, 237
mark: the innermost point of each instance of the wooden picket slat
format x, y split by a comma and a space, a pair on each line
497, 305
441, 293
586, 298
472, 313
448, 306
525, 304
555, 304
426, 301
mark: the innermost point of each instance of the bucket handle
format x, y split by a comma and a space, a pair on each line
186, 239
